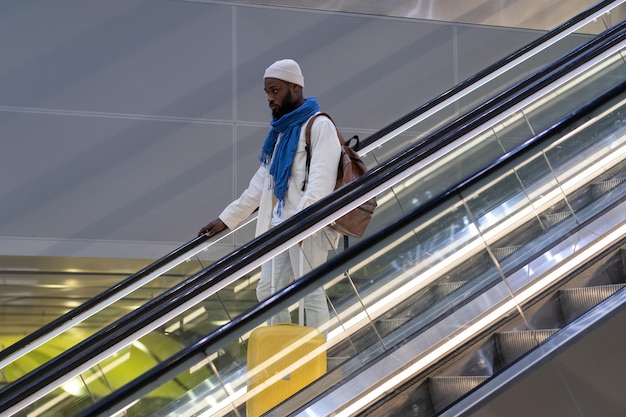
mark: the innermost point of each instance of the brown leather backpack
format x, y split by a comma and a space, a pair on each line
351, 166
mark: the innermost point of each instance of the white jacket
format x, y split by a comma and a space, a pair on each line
325, 154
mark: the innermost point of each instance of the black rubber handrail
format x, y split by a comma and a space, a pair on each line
180, 252
187, 357
135, 321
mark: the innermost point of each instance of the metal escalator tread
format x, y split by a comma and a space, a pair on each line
436, 293
513, 344
552, 219
444, 390
576, 301
599, 188
503, 252
443, 289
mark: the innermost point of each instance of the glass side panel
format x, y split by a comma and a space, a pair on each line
453, 165
472, 97
502, 239
110, 310
566, 208
476, 255
409, 282
404, 201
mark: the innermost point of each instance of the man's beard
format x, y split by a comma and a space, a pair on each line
287, 106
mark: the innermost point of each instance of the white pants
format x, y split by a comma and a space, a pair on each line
292, 264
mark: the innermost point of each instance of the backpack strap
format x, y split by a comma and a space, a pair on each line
309, 126
307, 147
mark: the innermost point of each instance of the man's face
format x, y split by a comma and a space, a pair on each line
279, 97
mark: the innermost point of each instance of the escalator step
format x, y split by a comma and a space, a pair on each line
436, 293
599, 188
386, 326
596, 190
442, 290
501, 253
576, 301
551, 219
446, 389
511, 345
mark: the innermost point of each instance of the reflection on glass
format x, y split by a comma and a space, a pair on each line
403, 287
399, 288
119, 304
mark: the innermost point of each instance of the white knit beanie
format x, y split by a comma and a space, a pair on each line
286, 70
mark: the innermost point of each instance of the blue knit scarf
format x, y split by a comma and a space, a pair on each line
289, 125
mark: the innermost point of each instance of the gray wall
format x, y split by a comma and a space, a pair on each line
127, 125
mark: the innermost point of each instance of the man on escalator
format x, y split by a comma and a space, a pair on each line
282, 186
